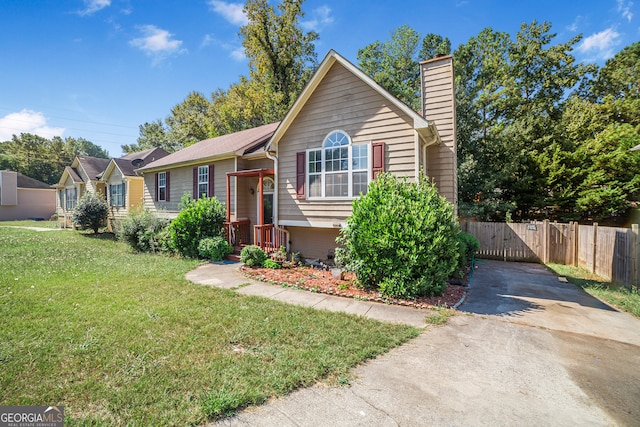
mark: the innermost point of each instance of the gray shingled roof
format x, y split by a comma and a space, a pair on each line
150, 155
93, 166
147, 156
227, 144
73, 174
27, 182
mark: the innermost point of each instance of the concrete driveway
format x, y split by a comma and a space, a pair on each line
527, 350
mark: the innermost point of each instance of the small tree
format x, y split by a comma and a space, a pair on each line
91, 212
401, 238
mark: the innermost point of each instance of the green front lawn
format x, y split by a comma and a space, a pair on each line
123, 338
618, 296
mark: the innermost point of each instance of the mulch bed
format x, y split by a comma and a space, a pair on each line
322, 281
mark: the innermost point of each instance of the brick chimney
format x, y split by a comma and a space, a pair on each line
439, 106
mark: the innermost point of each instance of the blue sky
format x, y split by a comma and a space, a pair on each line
98, 69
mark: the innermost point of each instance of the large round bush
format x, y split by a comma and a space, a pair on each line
198, 219
401, 238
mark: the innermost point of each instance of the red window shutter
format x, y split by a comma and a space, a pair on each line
195, 183
211, 190
301, 160
156, 197
377, 159
167, 189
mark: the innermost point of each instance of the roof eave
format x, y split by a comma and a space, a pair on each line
216, 158
428, 132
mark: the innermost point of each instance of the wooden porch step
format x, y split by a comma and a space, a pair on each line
234, 257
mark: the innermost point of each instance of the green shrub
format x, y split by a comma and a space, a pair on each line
142, 231
400, 238
91, 212
269, 263
214, 248
198, 219
467, 247
252, 256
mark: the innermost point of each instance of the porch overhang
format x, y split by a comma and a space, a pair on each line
260, 173
252, 172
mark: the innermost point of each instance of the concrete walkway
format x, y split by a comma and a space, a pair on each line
31, 228
530, 351
226, 275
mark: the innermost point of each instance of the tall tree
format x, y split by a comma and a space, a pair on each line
152, 135
188, 121
394, 63
281, 55
241, 107
516, 89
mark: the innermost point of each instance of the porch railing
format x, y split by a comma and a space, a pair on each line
270, 238
238, 232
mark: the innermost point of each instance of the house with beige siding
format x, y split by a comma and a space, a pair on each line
83, 175
124, 188
22, 197
342, 131
293, 183
221, 167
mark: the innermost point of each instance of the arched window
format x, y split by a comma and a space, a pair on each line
339, 169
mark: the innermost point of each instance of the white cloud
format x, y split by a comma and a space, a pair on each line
320, 17
27, 121
232, 12
624, 7
207, 40
600, 44
157, 43
238, 54
575, 25
93, 6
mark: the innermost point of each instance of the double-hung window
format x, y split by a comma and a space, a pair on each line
70, 198
162, 186
203, 181
339, 169
116, 193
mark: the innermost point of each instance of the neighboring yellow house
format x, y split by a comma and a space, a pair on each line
124, 188
293, 183
114, 179
22, 197
80, 177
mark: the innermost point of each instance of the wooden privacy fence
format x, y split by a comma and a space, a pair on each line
610, 252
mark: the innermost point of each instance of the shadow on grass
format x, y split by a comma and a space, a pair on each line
106, 235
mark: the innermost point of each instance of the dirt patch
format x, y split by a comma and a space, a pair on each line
322, 281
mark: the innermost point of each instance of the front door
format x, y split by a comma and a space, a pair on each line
267, 200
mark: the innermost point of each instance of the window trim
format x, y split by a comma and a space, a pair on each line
324, 173
164, 187
205, 182
119, 194
73, 201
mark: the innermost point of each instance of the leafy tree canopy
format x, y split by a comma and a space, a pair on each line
44, 159
394, 64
